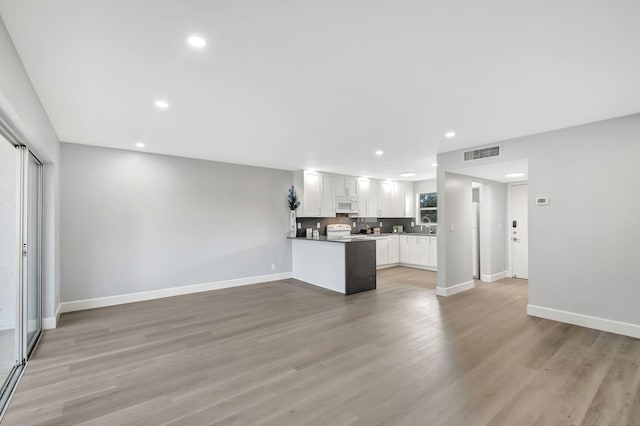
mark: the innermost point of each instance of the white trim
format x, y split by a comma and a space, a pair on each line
493, 278
617, 327
49, 323
454, 289
99, 302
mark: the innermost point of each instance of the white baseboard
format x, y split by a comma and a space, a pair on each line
100, 302
454, 289
408, 265
49, 323
617, 327
493, 278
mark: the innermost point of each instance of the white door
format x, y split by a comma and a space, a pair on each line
519, 230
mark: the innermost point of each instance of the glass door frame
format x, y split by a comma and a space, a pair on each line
26, 252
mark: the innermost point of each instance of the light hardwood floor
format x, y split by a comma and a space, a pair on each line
287, 353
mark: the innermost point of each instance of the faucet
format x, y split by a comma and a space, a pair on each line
427, 217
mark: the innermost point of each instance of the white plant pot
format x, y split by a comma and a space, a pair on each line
293, 228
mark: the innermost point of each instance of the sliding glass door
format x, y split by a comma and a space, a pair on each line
20, 259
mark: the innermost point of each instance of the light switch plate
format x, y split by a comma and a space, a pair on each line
299, 225
452, 228
318, 225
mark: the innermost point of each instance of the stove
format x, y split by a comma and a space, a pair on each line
338, 231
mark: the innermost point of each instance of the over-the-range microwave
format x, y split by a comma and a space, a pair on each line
346, 205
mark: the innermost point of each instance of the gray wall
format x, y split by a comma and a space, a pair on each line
582, 247
20, 107
134, 221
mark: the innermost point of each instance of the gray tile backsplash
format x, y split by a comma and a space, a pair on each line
361, 223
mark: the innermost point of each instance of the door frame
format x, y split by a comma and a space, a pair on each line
510, 221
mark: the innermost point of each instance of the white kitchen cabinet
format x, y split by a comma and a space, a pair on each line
391, 202
424, 249
414, 250
345, 186
367, 198
409, 200
328, 204
316, 194
382, 251
394, 249
404, 249
433, 252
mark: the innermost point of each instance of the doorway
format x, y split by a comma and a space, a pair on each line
475, 230
519, 230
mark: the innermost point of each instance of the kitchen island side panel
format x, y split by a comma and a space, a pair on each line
360, 260
319, 263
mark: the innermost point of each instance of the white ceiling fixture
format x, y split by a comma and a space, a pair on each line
140, 145
290, 90
408, 174
161, 104
434, 164
379, 152
514, 174
450, 135
196, 41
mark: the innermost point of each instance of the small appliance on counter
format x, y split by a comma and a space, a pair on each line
337, 231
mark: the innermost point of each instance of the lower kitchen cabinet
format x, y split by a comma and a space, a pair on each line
408, 250
382, 251
394, 249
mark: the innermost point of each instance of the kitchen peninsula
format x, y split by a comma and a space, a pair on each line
345, 265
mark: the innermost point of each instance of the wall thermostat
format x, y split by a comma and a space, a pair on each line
542, 201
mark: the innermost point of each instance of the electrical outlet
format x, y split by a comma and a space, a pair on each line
299, 225
380, 224
318, 225
273, 266
413, 224
452, 228
353, 225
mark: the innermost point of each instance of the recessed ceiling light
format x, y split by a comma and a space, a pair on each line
196, 41
408, 174
434, 164
162, 104
379, 152
514, 174
450, 135
139, 144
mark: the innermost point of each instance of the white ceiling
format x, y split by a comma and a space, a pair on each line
322, 84
497, 171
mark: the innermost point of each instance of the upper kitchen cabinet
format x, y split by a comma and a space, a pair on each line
316, 193
345, 186
367, 198
396, 199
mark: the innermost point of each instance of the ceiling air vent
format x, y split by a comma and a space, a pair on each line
492, 151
